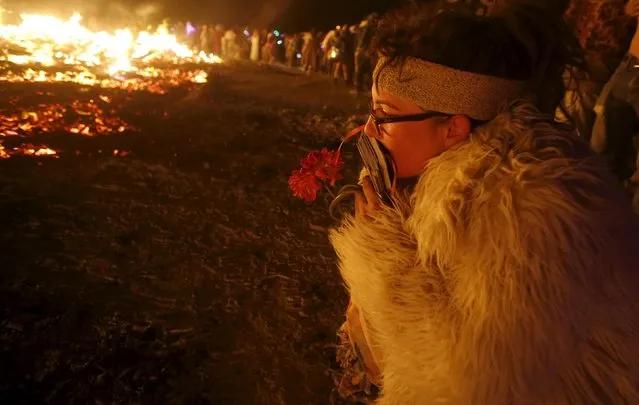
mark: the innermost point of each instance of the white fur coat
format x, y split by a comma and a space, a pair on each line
509, 279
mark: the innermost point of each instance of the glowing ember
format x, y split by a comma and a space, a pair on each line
44, 48
27, 150
121, 153
84, 118
78, 117
42, 151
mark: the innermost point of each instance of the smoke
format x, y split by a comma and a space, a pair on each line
109, 12
148, 10
140, 13
270, 12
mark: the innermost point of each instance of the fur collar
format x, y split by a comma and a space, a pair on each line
508, 277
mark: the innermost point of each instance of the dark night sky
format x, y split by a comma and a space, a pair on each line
287, 15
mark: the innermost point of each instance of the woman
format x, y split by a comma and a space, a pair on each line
506, 274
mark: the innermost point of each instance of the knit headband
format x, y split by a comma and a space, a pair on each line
450, 91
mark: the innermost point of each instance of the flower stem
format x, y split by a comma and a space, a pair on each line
329, 191
348, 136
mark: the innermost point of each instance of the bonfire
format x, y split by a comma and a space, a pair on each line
45, 49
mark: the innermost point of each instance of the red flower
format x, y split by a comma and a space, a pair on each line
325, 164
318, 167
312, 160
304, 185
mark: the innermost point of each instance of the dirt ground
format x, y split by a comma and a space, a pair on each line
183, 272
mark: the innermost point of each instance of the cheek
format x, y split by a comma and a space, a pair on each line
411, 146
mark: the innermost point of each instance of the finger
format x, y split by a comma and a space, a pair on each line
361, 208
369, 191
632, 8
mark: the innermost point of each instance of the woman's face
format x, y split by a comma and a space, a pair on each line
412, 144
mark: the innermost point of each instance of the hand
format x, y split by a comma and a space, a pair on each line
368, 202
632, 8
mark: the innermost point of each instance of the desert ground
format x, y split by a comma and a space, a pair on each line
167, 262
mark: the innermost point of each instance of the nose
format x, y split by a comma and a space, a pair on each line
370, 129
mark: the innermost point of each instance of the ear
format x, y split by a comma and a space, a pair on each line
458, 130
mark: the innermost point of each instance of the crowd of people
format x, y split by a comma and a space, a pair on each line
344, 52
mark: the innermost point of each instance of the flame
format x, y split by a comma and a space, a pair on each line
42, 151
48, 49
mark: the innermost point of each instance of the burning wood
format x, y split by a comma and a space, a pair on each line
78, 117
157, 81
28, 150
47, 49
44, 48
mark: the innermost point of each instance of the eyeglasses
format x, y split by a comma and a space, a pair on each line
377, 121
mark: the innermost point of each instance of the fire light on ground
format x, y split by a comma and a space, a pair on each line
88, 118
47, 49
84, 118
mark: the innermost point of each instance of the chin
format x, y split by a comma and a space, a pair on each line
405, 176
407, 173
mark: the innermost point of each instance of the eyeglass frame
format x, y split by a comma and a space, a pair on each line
377, 121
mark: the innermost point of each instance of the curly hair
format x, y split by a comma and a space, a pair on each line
524, 40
